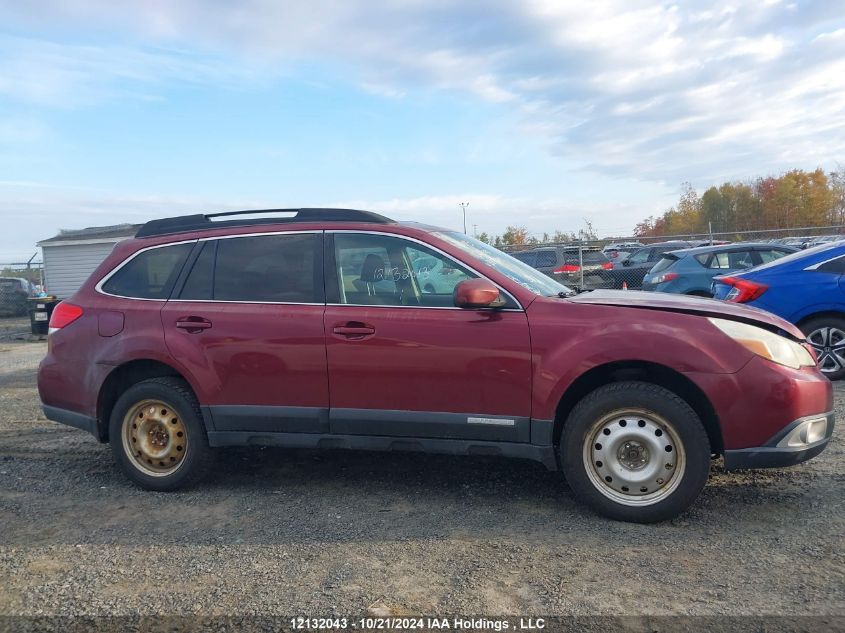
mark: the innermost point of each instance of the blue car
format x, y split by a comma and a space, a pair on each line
806, 288
691, 271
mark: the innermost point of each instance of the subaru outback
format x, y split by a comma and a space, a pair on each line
323, 328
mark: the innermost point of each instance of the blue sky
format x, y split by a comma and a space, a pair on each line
539, 113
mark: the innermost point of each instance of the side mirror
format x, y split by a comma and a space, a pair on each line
478, 293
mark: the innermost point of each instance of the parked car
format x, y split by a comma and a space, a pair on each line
691, 271
617, 251
579, 267
14, 292
798, 242
825, 239
806, 288
632, 270
220, 330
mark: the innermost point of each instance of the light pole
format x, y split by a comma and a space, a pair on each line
464, 206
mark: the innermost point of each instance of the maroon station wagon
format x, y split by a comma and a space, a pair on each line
333, 328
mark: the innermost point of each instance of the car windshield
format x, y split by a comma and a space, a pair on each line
520, 272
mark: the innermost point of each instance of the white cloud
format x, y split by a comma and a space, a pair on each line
698, 90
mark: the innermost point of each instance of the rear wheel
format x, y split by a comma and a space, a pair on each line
827, 336
634, 451
157, 435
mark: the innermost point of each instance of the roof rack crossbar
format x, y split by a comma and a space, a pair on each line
204, 222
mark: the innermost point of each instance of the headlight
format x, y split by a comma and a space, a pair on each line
778, 349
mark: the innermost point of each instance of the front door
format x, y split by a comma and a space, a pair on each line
248, 322
404, 361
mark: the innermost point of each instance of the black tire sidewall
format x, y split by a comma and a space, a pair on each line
187, 410
821, 322
649, 397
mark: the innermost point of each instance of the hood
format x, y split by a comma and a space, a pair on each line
685, 304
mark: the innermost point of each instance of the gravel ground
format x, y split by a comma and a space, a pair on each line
301, 532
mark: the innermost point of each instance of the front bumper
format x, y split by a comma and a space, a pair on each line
795, 443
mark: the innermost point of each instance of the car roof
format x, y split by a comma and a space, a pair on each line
718, 248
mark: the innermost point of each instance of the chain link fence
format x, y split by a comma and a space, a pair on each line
624, 262
18, 282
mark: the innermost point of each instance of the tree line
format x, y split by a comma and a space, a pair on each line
519, 236
796, 198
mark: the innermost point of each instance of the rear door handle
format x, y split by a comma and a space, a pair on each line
354, 331
193, 324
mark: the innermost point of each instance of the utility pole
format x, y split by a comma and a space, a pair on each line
464, 206
475, 230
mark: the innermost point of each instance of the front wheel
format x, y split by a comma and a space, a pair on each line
634, 451
157, 435
827, 336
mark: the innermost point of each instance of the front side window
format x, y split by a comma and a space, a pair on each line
529, 258
264, 268
150, 274
385, 270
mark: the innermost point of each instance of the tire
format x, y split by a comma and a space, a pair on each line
632, 475
160, 419
827, 336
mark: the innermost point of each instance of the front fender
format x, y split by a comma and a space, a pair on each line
569, 340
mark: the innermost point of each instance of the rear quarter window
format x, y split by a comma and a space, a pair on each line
150, 274
663, 264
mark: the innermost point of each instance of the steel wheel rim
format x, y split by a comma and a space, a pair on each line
829, 344
154, 438
634, 457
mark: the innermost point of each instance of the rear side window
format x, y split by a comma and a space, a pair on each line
265, 268
592, 258
664, 263
731, 260
546, 258
527, 258
836, 266
150, 274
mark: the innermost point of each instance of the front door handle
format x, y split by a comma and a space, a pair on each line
354, 330
193, 324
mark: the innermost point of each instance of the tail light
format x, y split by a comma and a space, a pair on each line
660, 279
607, 266
743, 290
567, 268
63, 315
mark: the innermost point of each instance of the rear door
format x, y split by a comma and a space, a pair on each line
404, 361
246, 320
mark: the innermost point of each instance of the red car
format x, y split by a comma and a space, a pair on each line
325, 329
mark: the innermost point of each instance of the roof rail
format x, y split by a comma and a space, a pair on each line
207, 221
